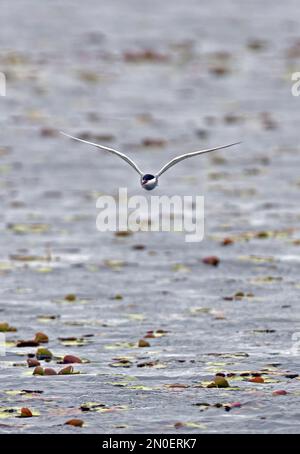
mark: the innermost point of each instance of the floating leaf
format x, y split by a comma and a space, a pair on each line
73, 341
238, 296
219, 382
38, 371
192, 425
266, 279
28, 228
43, 353
119, 345
24, 392
139, 387
47, 318
147, 55
75, 422
27, 343
257, 258
227, 241
26, 258
49, 371
123, 233
8, 412
143, 343
66, 371
211, 260
137, 317
100, 407
279, 392
179, 267
92, 406
16, 412
26, 413
154, 334
41, 338
115, 265
6, 328
266, 331
229, 406
70, 359
257, 380
177, 386
153, 142
200, 310
121, 363
118, 296
70, 297
139, 247
32, 362
156, 364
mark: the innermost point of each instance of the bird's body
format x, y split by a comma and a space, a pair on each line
149, 181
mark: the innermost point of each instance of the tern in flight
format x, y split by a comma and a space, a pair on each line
149, 181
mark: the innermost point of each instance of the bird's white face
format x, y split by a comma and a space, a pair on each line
149, 182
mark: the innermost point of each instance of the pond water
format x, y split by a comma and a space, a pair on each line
153, 79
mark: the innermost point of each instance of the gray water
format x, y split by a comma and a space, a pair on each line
215, 72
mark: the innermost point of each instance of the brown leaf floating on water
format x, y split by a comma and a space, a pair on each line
49, 371
279, 392
211, 260
227, 241
152, 142
139, 247
154, 334
33, 362
256, 380
268, 121
26, 412
219, 70
178, 425
123, 233
70, 359
148, 363
143, 343
75, 422
48, 132
177, 386
42, 338
147, 55
27, 343
70, 297
256, 44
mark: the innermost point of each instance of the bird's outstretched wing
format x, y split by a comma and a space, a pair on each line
190, 155
118, 153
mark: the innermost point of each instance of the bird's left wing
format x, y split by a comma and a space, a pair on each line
118, 153
190, 155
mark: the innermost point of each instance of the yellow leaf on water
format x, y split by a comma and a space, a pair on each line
28, 228
180, 268
137, 317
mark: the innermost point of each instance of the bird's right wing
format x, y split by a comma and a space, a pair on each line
190, 155
118, 153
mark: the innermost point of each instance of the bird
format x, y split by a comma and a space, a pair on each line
148, 180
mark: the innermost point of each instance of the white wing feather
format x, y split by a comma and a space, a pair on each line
190, 155
118, 153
